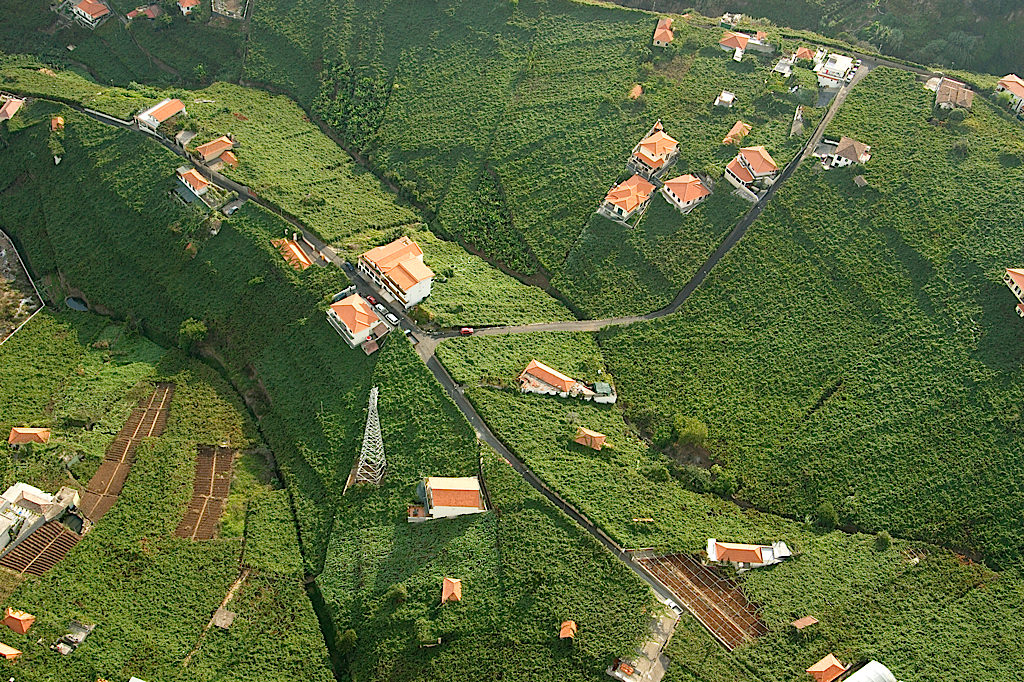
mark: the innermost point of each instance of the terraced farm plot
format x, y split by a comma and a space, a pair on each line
41, 551
209, 493
713, 599
148, 420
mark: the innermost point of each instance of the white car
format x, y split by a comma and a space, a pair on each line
390, 317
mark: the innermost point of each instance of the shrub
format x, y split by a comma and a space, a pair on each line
826, 516
883, 541
957, 115
689, 431
191, 332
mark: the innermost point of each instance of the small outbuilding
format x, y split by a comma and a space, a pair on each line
804, 623
223, 618
738, 131
725, 99
590, 439
9, 652
19, 621
23, 436
56, 123
827, 669
567, 630
451, 590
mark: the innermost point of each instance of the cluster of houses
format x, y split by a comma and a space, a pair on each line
539, 378
650, 160
397, 272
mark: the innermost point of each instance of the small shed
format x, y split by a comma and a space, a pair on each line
805, 622
19, 621
567, 630
591, 439
22, 436
451, 590
827, 669
9, 652
725, 99
56, 123
636, 91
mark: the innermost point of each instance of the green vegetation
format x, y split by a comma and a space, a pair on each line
63, 364
866, 594
858, 347
524, 567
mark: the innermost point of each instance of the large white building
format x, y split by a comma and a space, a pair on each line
356, 320
398, 271
24, 508
90, 12
152, 118
834, 70
753, 167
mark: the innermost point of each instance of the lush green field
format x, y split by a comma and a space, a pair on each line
872, 601
858, 346
78, 360
524, 566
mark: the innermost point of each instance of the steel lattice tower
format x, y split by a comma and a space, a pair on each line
371, 458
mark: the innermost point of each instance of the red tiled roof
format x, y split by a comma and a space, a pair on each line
567, 630
165, 110
687, 187
214, 148
57, 123
455, 498
738, 169
194, 179
93, 8
355, 312
804, 53
549, 376
663, 32
19, 621
738, 131
229, 158
759, 160
804, 622
9, 652
20, 435
292, 253
734, 551
659, 143
734, 40
1013, 83
185, 4
636, 92
760, 35
827, 669
10, 108
402, 261
451, 590
629, 194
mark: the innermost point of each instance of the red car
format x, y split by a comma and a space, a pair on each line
372, 300
466, 331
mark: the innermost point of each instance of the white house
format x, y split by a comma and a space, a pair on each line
744, 557
90, 12
539, 378
152, 118
186, 6
753, 167
626, 198
445, 497
725, 99
398, 271
193, 180
663, 32
1014, 280
846, 152
654, 153
685, 192
355, 319
1014, 85
735, 43
833, 71
784, 66
24, 508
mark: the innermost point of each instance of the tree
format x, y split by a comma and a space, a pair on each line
200, 72
826, 516
190, 333
957, 115
689, 431
883, 541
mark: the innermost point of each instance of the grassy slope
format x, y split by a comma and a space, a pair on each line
858, 346
524, 567
513, 123
175, 584
871, 602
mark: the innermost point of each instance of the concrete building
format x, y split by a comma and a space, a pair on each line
187, 6
834, 71
90, 13
354, 318
25, 508
153, 117
398, 271
685, 192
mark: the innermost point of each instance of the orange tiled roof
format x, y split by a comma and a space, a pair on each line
827, 669
687, 187
734, 40
636, 92
19, 621
9, 652
215, 147
292, 253
663, 32
194, 179
659, 143
739, 170
442, 497
734, 551
591, 439
57, 123
567, 630
451, 590
165, 110
1017, 275
760, 35
804, 53
188, 3
409, 273
93, 9
20, 435
401, 260
229, 158
549, 376
10, 108
1013, 83
629, 194
355, 312
738, 131
759, 159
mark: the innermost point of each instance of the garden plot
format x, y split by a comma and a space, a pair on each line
209, 493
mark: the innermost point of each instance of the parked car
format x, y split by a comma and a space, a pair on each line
372, 300
392, 319
467, 331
